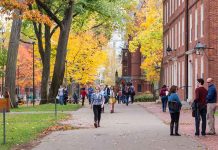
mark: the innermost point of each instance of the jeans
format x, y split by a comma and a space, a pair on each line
83, 100
132, 98
200, 114
61, 100
127, 100
211, 109
90, 99
97, 113
164, 103
174, 120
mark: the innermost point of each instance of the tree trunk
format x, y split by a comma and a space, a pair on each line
59, 68
10, 77
46, 66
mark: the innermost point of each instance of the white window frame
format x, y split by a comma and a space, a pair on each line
196, 24
190, 27
170, 7
179, 34
196, 72
183, 31
202, 66
183, 73
173, 47
202, 19
176, 39
179, 72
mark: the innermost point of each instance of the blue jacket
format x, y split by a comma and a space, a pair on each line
174, 97
212, 94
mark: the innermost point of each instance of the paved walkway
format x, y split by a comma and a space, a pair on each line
130, 128
187, 124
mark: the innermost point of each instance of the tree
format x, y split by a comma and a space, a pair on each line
18, 9
148, 37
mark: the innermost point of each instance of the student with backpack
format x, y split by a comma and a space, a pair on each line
174, 105
132, 92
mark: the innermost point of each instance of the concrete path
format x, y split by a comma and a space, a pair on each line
130, 128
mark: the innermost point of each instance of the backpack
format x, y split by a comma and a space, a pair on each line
174, 106
131, 90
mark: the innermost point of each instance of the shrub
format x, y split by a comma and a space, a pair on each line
145, 97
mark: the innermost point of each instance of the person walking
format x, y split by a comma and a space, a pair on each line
200, 105
106, 94
211, 106
164, 98
65, 95
112, 99
90, 92
97, 102
132, 92
174, 105
61, 95
127, 94
83, 95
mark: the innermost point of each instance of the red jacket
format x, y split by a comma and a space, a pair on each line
83, 93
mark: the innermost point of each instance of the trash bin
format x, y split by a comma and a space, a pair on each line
4, 103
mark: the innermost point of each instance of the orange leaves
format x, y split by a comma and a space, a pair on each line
8, 7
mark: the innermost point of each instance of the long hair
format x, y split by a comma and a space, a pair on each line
173, 89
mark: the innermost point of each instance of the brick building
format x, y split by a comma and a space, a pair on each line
187, 22
132, 72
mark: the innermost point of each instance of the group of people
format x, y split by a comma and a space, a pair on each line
100, 96
62, 95
126, 93
203, 107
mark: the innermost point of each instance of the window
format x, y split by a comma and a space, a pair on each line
172, 38
167, 76
167, 12
183, 31
139, 88
176, 5
196, 24
202, 66
173, 7
196, 72
176, 39
190, 29
182, 1
175, 74
170, 7
167, 40
179, 2
179, 34
179, 82
202, 20
183, 73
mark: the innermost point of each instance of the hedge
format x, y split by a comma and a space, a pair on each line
145, 97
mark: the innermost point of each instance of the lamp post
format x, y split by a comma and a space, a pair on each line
168, 50
2, 48
199, 50
33, 43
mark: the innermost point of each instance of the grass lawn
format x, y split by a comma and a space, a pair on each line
46, 107
22, 128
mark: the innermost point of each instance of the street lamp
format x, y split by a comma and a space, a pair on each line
168, 50
199, 48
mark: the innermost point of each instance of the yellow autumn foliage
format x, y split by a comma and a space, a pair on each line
85, 56
148, 37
